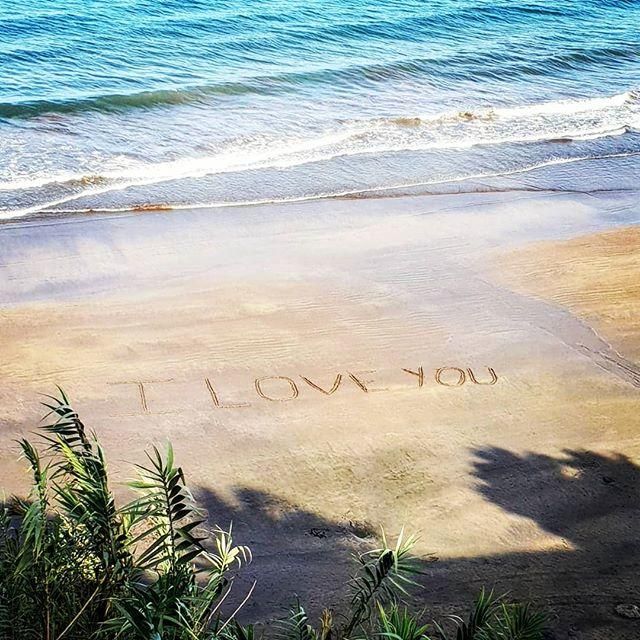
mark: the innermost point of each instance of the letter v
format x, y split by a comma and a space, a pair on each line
335, 386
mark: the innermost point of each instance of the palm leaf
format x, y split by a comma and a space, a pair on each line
384, 575
516, 622
295, 626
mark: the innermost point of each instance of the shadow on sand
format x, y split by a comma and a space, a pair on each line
590, 501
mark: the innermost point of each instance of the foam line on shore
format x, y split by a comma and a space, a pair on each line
48, 208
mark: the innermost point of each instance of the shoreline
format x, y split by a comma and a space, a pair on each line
544, 178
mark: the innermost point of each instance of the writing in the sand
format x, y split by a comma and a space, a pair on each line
278, 388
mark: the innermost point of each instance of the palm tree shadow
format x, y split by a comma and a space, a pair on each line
589, 501
295, 553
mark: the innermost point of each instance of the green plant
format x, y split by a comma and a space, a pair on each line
395, 623
492, 618
382, 576
74, 565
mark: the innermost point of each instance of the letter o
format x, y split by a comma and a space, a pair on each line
262, 394
461, 377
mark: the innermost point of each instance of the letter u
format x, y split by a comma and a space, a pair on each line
494, 377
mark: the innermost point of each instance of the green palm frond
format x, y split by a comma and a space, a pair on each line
168, 513
491, 618
66, 427
478, 623
162, 523
217, 564
398, 624
226, 555
236, 631
384, 575
33, 512
516, 622
295, 626
83, 492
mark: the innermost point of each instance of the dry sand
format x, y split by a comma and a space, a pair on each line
322, 370
595, 276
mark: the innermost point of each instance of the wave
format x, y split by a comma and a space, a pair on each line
393, 189
549, 122
554, 108
461, 66
110, 103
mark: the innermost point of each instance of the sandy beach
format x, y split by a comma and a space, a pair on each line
465, 365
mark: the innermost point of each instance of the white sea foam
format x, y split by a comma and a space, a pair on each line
565, 120
48, 207
568, 107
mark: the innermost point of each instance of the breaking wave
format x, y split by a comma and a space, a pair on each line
552, 122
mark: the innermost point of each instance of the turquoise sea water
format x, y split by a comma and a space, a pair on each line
122, 103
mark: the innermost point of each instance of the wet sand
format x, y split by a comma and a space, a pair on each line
466, 366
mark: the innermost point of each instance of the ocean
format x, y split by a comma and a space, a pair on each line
121, 104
